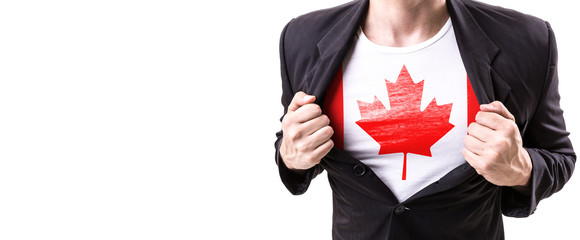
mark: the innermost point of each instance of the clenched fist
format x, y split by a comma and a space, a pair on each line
307, 133
493, 147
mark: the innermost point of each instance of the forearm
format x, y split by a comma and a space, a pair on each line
297, 182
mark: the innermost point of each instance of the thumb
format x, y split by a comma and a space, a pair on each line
300, 99
499, 108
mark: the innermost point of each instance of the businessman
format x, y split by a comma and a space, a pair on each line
432, 118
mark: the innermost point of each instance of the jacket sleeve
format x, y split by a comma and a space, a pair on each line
296, 183
547, 142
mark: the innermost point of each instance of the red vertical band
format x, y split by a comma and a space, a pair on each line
472, 103
333, 108
404, 167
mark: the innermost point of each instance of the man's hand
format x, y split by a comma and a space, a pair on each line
493, 147
306, 133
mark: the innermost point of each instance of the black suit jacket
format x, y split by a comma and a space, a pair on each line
509, 56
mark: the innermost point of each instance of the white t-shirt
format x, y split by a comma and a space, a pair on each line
403, 111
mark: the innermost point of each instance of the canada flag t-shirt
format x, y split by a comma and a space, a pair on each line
403, 111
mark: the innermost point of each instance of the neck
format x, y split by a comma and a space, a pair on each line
401, 23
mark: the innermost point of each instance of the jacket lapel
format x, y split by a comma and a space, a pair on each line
333, 47
477, 52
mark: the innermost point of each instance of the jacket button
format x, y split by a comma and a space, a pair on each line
359, 170
400, 209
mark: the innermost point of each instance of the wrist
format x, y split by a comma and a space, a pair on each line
524, 184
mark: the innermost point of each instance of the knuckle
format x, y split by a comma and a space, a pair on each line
483, 166
316, 160
287, 120
466, 144
330, 143
316, 109
495, 145
493, 155
479, 116
506, 143
326, 119
302, 146
512, 128
470, 127
293, 135
327, 131
466, 155
465, 141
500, 145
310, 159
330, 131
464, 151
313, 107
285, 123
298, 95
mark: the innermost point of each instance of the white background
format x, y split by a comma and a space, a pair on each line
156, 120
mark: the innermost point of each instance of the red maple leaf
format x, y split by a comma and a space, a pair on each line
405, 128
